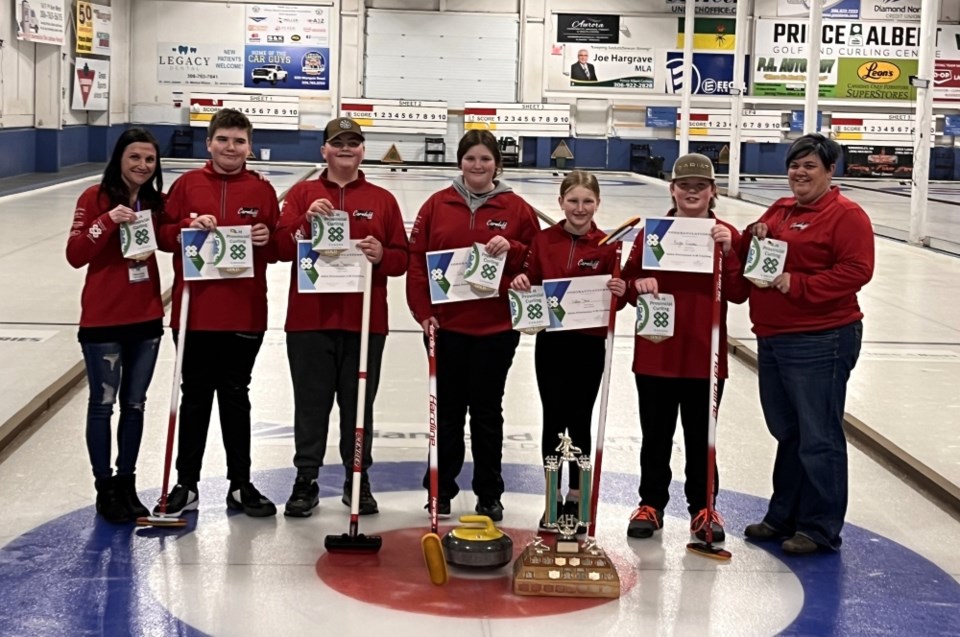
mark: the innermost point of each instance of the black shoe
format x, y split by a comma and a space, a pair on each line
304, 497
762, 531
644, 521
490, 507
368, 504
109, 502
181, 499
698, 526
572, 507
799, 545
127, 490
443, 508
246, 498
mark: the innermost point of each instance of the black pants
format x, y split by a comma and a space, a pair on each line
660, 398
218, 363
569, 372
471, 375
325, 366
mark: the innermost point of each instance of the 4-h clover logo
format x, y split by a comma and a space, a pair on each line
770, 265
238, 252
142, 237
488, 272
96, 231
438, 275
661, 319
534, 311
306, 263
553, 302
335, 234
192, 252
653, 240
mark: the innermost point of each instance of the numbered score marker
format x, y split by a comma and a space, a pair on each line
716, 125
519, 120
274, 112
888, 129
396, 116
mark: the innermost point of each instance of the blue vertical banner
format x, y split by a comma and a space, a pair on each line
293, 67
711, 73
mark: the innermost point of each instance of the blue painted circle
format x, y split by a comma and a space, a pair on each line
79, 575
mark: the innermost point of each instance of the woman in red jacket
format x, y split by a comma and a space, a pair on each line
121, 319
674, 375
809, 329
570, 249
475, 339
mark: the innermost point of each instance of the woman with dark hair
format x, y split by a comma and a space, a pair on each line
809, 329
121, 319
570, 249
475, 339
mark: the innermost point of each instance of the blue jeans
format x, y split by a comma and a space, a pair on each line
113, 369
803, 389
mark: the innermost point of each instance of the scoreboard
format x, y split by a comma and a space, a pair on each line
518, 120
273, 112
396, 116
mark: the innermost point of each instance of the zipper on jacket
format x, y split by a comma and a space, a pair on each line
223, 199
573, 248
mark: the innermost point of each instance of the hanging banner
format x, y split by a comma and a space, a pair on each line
199, 64
578, 27
899, 10
91, 85
859, 60
878, 161
834, 9
298, 25
94, 27
41, 22
286, 67
709, 34
711, 73
702, 7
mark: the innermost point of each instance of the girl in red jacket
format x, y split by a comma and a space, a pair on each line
475, 340
674, 375
121, 315
570, 249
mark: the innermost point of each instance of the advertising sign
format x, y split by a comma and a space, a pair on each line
700, 7
835, 9
94, 25
286, 67
899, 10
579, 27
878, 161
296, 25
611, 66
860, 60
711, 73
199, 64
91, 85
42, 22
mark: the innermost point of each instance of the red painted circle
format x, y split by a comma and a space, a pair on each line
397, 578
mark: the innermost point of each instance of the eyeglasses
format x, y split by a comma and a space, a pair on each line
350, 143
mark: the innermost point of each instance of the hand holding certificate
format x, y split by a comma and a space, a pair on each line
578, 302
225, 252
322, 273
447, 270
679, 244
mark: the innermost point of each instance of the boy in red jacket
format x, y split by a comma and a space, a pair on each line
228, 317
323, 330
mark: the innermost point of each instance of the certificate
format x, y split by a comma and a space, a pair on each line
578, 302
222, 253
323, 273
679, 244
484, 271
445, 270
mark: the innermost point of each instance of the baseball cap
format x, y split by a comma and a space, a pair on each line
341, 125
693, 165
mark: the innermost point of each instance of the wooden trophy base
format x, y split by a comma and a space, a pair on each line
568, 570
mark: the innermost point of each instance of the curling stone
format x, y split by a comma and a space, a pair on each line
477, 544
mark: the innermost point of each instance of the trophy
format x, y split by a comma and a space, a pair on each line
571, 567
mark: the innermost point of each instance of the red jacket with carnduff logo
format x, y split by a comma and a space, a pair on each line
444, 223
243, 199
557, 254
373, 212
109, 297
